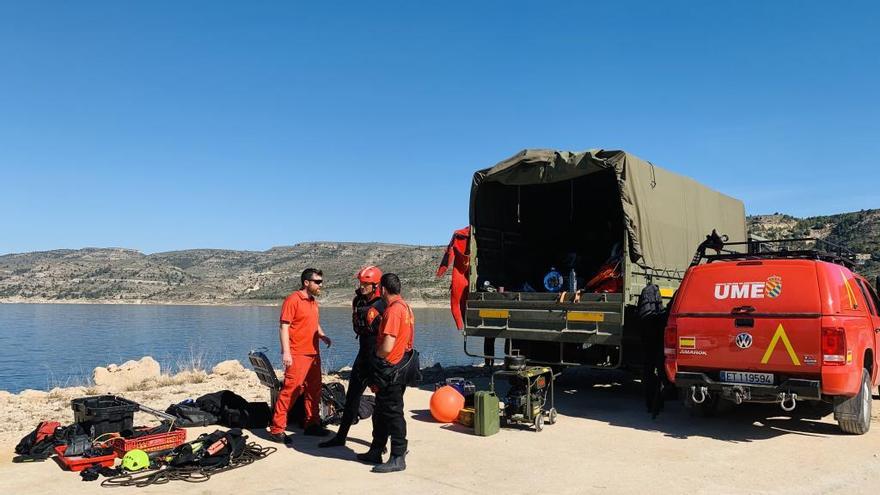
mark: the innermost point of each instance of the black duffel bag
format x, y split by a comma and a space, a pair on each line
188, 415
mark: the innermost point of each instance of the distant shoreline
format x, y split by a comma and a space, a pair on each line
417, 303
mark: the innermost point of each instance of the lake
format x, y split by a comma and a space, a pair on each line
57, 345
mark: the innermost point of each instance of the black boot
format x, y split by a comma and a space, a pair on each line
316, 431
395, 463
372, 456
279, 438
337, 441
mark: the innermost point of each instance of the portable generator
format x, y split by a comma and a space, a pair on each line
527, 398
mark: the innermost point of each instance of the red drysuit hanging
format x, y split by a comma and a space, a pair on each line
458, 255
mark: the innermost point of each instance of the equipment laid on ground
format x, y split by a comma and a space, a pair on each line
196, 461
466, 417
38, 444
79, 462
487, 419
526, 399
465, 387
135, 460
266, 373
225, 408
332, 401
154, 441
103, 414
446, 402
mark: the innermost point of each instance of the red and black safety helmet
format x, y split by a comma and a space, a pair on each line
370, 275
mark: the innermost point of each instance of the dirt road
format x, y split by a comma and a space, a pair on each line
604, 442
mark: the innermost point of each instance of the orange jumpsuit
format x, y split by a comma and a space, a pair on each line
458, 255
300, 311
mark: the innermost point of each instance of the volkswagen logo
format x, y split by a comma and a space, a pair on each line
743, 340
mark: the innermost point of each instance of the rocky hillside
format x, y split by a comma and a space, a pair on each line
213, 276
216, 276
859, 231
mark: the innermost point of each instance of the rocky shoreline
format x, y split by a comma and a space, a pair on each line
143, 382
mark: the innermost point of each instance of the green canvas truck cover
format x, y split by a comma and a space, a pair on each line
666, 215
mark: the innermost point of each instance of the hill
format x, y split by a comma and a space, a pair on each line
858, 231
219, 276
213, 276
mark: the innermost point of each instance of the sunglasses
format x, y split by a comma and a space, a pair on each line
318, 281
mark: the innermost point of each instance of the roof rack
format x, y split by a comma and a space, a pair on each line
796, 248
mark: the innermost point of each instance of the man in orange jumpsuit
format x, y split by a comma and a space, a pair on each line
299, 334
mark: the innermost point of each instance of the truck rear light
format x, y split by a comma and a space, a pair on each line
833, 346
670, 339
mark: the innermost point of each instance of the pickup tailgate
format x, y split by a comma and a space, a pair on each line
752, 316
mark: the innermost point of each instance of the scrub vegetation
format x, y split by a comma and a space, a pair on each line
858, 231
213, 276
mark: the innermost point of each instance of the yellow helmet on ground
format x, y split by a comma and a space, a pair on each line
135, 460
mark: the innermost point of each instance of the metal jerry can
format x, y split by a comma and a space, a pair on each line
486, 418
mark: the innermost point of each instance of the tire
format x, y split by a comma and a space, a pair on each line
539, 422
551, 416
854, 413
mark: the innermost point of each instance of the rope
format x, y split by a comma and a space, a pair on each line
191, 474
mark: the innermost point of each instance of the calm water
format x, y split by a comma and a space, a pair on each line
48, 345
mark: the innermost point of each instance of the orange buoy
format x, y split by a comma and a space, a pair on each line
446, 402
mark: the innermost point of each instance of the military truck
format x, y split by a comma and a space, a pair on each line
604, 223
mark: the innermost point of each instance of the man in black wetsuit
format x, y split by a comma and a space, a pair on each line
366, 315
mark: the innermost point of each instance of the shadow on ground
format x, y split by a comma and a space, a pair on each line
309, 444
617, 399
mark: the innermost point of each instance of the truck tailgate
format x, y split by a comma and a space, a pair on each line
743, 343
597, 318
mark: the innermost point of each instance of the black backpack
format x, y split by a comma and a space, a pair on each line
332, 403
650, 302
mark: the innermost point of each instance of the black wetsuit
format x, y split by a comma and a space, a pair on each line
366, 316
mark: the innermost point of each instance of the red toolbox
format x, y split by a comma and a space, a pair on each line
149, 443
78, 463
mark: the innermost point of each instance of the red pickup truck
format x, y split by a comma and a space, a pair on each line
779, 329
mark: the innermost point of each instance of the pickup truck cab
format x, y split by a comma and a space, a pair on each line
776, 328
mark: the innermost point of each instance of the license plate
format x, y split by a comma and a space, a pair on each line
747, 377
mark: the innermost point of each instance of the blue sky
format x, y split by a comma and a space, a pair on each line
245, 125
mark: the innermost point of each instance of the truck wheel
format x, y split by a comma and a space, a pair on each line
854, 413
